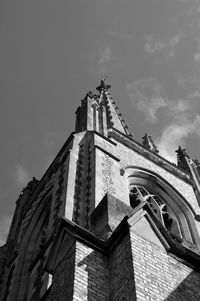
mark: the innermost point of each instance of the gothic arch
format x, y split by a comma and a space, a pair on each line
30, 246
156, 185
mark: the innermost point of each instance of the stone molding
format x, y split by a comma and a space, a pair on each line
155, 158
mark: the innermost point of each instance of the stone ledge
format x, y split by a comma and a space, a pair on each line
69, 231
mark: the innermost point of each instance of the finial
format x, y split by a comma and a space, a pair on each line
181, 159
148, 143
103, 85
181, 153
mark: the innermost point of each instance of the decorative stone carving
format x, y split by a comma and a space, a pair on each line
158, 207
78, 186
88, 189
148, 143
30, 187
181, 159
107, 175
59, 192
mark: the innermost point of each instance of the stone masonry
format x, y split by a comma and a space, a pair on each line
110, 219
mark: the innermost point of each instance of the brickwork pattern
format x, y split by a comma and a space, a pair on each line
82, 275
63, 280
121, 272
91, 282
160, 277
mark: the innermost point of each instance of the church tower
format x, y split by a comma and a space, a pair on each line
110, 220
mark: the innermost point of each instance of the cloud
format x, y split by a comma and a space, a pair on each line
190, 81
197, 57
176, 39
194, 95
197, 53
151, 46
175, 135
21, 175
154, 46
177, 106
149, 97
190, 85
151, 108
173, 42
194, 8
120, 35
180, 114
103, 58
4, 228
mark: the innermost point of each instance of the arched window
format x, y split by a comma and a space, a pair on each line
158, 207
165, 203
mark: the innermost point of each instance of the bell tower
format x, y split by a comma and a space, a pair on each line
110, 220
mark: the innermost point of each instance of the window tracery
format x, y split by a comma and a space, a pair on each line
158, 207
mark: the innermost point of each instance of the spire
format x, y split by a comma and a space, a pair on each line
148, 143
181, 159
99, 112
114, 117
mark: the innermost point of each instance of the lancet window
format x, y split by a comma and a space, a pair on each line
158, 207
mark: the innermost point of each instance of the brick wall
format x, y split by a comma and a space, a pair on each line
91, 281
81, 275
62, 286
136, 269
121, 272
158, 276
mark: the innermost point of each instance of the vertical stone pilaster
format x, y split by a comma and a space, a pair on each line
78, 185
59, 196
94, 117
104, 121
88, 187
90, 119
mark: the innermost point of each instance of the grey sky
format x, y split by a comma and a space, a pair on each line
53, 52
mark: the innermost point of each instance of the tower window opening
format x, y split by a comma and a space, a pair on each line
159, 208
